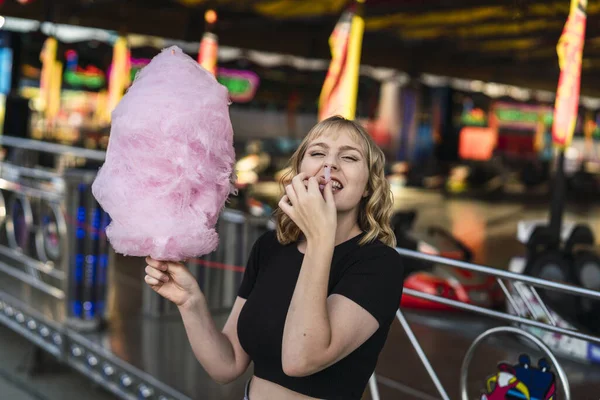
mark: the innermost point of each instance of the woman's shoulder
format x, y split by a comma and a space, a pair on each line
375, 254
377, 248
268, 241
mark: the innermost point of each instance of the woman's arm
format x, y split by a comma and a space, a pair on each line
220, 353
319, 331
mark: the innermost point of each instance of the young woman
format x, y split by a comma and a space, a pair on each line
319, 294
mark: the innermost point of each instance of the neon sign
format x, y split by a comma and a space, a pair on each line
474, 117
91, 77
136, 65
242, 85
516, 115
477, 143
520, 116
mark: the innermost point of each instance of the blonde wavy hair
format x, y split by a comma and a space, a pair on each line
375, 209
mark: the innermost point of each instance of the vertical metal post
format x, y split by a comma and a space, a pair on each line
557, 205
422, 355
373, 387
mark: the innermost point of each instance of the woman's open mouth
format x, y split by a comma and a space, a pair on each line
336, 186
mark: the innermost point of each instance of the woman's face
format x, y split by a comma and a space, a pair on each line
348, 163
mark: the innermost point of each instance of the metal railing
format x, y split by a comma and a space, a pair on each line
519, 290
52, 232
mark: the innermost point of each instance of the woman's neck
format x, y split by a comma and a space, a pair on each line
347, 227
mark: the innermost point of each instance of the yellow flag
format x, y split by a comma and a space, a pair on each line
340, 89
570, 50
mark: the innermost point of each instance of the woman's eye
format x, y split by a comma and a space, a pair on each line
316, 154
349, 158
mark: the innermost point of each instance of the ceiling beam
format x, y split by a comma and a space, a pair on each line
310, 40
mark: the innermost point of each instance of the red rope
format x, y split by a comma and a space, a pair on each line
199, 261
217, 265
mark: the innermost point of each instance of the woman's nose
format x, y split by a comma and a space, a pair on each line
331, 165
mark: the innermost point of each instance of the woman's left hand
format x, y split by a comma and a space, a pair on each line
314, 213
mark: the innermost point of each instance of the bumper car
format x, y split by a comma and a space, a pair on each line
441, 280
575, 263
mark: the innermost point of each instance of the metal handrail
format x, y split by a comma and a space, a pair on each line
54, 148
501, 274
525, 315
500, 315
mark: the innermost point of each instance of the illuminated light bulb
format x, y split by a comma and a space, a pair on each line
210, 16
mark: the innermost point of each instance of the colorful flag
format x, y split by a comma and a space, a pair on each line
570, 50
49, 63
209, 45
339, 92
120, 73
207, 56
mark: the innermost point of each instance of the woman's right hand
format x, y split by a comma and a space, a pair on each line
172, 280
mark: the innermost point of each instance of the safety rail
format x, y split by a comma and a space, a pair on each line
527, 314
52, 232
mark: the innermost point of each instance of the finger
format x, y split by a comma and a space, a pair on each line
161, 265
328, 192
153, 272
298, 185
313, 185
286, 199
286, 208
152, 281
175, 269
291, 194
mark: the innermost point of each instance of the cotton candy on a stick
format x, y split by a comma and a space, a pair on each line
327, 177
169, 164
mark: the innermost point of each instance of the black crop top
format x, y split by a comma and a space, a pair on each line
370, 275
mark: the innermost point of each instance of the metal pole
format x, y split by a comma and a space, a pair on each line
543, 305
557, 204
509, 297
422, 355
373, 387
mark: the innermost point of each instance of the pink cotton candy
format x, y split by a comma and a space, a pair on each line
327, 174
169, 165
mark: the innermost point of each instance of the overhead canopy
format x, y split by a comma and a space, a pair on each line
507, 41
